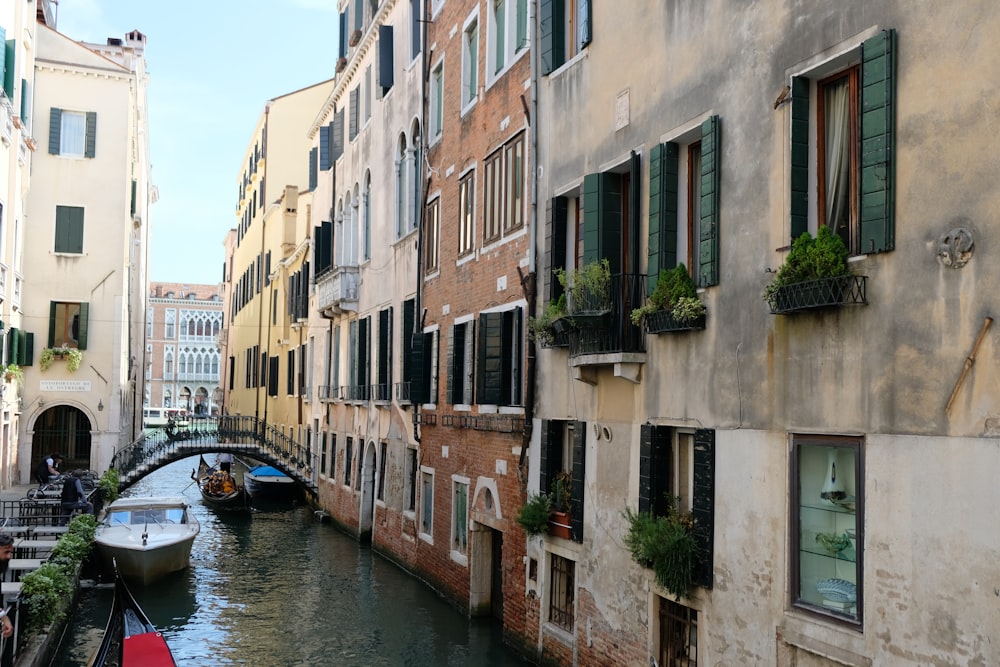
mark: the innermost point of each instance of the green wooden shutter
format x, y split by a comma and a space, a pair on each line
419, 387
28, 350
324, 147
877, 210
90, 148
81, 334
490, 362
10, 48
550, 454
13, 340
703, 505
26, 99
455, 340
430, 357
591, 217
69, 229
364, 356
406, 329
337, 137
132, 205
711, 167
645, 467
552, 34
313, 168
336, 361
52, 323
800, 157
55, 130
662, 251
579, 479
385, 58
602, 219
272, 376
557, 246
352, 116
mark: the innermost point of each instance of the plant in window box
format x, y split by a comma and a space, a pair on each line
814, 274
561, 504
665, 544
589, 290
72, 355
355, 38
13, 373
534, 514
674, 304
341, 64
550, 323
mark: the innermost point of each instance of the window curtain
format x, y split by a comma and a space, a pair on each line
72, 133
837, 140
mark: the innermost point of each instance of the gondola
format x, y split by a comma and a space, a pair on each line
130, 639
216, 491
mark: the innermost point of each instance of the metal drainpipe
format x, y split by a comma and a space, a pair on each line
421, 198
529, 283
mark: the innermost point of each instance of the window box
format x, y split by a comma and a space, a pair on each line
559, 525
355, 38
72, 356
341, 64
663, 321
819, 293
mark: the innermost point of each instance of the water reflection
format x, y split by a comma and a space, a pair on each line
278, 588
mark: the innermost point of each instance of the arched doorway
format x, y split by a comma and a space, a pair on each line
367, 494
66, 430
201, 402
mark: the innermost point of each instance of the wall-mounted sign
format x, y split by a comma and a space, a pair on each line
64, 385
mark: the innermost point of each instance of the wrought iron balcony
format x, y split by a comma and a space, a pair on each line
337, 290
604, 326
822, 293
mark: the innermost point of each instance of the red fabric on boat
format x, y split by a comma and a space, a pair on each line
146, 650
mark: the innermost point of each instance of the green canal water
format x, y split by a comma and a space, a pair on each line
277, 588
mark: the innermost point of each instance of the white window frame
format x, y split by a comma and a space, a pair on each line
470, 61
511, 50
72, 133
459, 533
467, 217
426, 508
436, 115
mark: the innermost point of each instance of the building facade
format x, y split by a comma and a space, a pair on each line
84, 303
183, 358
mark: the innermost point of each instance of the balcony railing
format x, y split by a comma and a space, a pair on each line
403, 392
337, 290
609, 329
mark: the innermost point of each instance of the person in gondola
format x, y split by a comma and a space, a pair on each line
225, 461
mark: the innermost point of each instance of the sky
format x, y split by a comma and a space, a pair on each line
212, 65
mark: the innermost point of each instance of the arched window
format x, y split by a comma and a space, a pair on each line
366, 208
401, 188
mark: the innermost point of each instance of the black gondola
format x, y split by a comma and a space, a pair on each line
130, 639
218, 491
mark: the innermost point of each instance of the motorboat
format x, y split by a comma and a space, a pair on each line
148, 537
269, 483
130, 638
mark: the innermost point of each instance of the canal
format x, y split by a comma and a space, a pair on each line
277, 587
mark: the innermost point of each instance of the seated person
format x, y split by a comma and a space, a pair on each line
74, 497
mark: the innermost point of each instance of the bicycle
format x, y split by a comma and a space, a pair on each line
50, 489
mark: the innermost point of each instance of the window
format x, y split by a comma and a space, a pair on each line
407, 186
72, 133
366, 96
466, 213
683, 204
426, 503
563, 445
361, 464
508, 34
360, 353
437, 101
828, 525
423, 368
383, 369
68, 324
432, 230
169, 324
470, 63
366, 205
504, 190
348, 460
562, 591
565, 30
678, 466
149, 324
678, 637
354, 113
410, 480
843, 114
69, 229
460, 363
459, 516
383, 461
416, 27
499, 363
323, 454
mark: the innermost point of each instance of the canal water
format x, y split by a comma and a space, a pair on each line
277, 588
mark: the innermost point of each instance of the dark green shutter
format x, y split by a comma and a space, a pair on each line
13, 341
27, 349
132, 206
55, 130
427, 370
645, 467
662, 252
272, 376
878, 64
602, 219
10, 48
81, 334
52, 323
69, 229
385, 352
313, 168
454, 339
419, 387
385, 61
550, 453
800, 157
489, 371
337, 138
703, 505
25, 102
557, 247
711, 167
552, 34
324, 147
364, 356
90, 148
352, 116
406, 331
579, 479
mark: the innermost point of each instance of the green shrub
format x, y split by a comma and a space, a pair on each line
45, 595
541, 328
108, 484
824, 256
675, 292
665, 544
534, 514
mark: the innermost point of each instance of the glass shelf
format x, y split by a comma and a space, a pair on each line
827, 507
848, 555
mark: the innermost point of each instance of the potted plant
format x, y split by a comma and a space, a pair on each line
13, 373
674, 304
534, 514
341, 64
546, 327
561, 504
72, 355
589, 290
355, 38
814, 274
665, 544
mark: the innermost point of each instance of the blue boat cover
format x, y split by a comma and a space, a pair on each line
266, 471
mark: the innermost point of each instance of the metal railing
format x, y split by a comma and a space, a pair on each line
612, 330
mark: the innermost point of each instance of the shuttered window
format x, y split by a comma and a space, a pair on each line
460, 363
324, 147
384, 361
9, 66
385, 59
68, 323
69, 229
353, 114
557, 46
499, 358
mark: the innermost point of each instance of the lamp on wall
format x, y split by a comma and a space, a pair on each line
100, 405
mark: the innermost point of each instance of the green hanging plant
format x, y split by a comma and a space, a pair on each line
665, 544
534, 514
13, 373
72, 355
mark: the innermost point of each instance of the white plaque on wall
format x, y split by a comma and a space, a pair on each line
64, 385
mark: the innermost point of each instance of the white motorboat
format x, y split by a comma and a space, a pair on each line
147, 537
